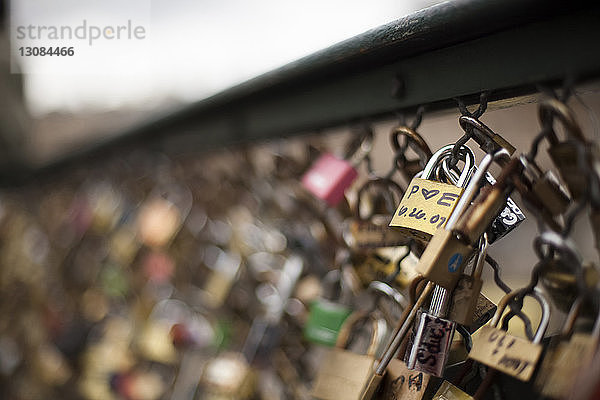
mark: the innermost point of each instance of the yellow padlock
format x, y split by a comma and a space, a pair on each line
427, 204
506, 353
343, 374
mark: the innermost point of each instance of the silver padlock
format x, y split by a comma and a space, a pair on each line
431, 347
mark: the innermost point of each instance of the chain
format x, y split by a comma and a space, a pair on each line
483, 103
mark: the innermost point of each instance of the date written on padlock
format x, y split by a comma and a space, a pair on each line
425, 205
509, 354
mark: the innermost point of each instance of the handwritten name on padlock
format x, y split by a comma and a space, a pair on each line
430, 351
512, 355
404, 384
366, 235
425, 206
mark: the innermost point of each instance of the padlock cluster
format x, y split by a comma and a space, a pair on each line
294, 271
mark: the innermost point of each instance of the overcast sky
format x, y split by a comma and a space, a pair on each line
197, 48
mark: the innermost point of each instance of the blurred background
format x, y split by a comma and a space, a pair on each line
195, 49
133, 276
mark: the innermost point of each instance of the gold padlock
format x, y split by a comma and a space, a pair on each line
400, 383
427, 204
468, 290
343, 374
443, 260
372, 231
571, 354
506, 353
566, 154
448, 391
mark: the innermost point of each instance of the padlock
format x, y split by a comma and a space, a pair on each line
427, 205
562, 272
546, 188
403, 326
572, 353
448, 391
326, 316
343, 374
228, 376
330, 176
395, 264
571, 155
388, 303
433, 337
506, 353
468, 289
225, 268
372, 231
507, 220
400, 383
443, 259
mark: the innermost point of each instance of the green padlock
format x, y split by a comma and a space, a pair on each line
326, 317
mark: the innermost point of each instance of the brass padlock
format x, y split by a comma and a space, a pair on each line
572, 353
343, 374
448, 391
563, 274
506, 353
400, 383
546, 188
372, 231
465, 296
404, 324
443, 260
567, 154
427, 204
508, 219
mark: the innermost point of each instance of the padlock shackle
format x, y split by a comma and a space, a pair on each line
405, 324
473, 186
385, 183
550, 108
388, 291
429, 169
359, 147
539, 297
481, 254
574, 311
565, 247
414, 141
344, 334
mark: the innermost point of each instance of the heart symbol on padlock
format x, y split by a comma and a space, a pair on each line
429, 193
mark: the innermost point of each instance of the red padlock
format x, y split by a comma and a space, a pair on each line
330, 176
